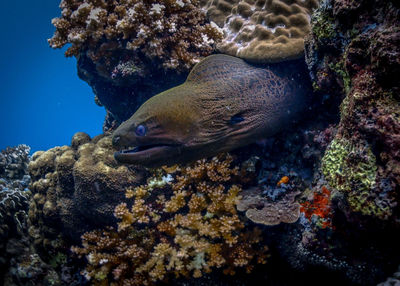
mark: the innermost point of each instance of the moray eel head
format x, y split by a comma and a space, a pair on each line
157, 132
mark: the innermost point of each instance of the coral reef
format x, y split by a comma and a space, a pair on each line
19, 264
14, 202
357, 178
349, 216
74, 187
218, 10
182, 222
351, 54
14, 162
335, 178
269, 212
174, 33
267, 31
319, 209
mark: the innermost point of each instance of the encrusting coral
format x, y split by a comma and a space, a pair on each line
353, 54
267, 31
357, 177
182, 222
266, 211
174, 33
319, 209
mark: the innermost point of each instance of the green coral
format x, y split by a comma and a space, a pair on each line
367, 204
333, 164
323, 27
341, 71
353, 169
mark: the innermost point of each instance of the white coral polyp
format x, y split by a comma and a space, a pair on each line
131, 12
206, 39
159, 25
154, 43
76, 37
180, 3
94, 16
156, 9
172, 29
81, 9
142, 32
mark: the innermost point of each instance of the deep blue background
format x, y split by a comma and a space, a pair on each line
43, 102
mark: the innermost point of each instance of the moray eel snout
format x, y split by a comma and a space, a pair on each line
142, 141
224, 104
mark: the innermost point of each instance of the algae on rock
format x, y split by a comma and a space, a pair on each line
352, 168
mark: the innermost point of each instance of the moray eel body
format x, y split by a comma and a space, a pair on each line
225, 103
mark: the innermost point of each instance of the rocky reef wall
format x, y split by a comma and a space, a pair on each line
353, 55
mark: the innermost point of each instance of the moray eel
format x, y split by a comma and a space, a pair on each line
225, 103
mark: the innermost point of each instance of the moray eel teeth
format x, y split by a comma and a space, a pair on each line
225, 103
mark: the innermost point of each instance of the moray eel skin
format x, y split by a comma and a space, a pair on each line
225, 103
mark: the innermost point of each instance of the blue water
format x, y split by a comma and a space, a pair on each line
43, 102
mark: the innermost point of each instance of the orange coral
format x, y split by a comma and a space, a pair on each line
197, 229
320, 206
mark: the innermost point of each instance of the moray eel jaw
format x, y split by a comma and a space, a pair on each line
154, 146
144, 151
150, 154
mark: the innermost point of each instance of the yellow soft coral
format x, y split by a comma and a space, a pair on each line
197, 229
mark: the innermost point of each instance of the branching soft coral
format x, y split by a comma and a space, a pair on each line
185, 224
174, 32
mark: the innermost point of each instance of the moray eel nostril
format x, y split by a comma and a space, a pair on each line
224, 103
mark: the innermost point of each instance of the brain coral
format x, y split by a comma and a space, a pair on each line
267, 31
174, 33
218, 10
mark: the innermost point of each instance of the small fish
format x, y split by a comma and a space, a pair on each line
225, 103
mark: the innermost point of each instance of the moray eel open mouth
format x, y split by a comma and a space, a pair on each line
140, 153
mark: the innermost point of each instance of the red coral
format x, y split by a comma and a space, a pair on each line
320, 206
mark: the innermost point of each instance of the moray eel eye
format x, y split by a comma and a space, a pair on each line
140, 130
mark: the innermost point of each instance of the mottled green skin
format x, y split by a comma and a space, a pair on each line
193, 120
